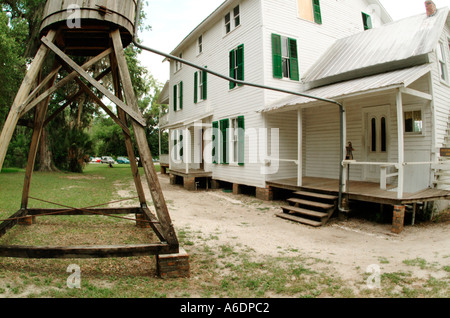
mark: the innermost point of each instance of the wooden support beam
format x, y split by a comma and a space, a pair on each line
11, 221
401, 144
78, 69
72, 98
107, 211
416, 93
127, 137
64, 81
144, 150
22, 94
40, 115
84, 252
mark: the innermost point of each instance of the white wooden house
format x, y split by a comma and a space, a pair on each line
392, 79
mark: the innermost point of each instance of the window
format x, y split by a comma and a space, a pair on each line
442, 61
285, 57
200, 44
413, 122
179, 65
236, 57
237, 147
228, 141
178, 96
177, 137
378, 134
223, 129
200, 86
237, 16
231, 25
310, 10
367, 21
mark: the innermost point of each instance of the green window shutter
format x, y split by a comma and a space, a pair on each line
232, 84
276, 56
181, 95
224, 124
204, 85
293, 57
241, 140
195, 87
240, 62
181, 145
317, 13
175, 96
215, 142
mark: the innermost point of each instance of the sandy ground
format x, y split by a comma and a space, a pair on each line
349, 246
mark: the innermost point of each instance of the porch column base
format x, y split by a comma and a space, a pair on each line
173, 179
215, 184
189, 183
265, 194
236, 189
398, 221
139, 221
173, 265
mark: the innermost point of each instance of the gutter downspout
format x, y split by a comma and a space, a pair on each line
175, 58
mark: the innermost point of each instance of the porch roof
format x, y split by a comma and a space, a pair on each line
365, 85
186, 122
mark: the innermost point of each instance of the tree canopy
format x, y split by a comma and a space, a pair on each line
82, 129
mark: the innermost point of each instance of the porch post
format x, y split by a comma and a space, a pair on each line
300, 148
401, 147
186, 147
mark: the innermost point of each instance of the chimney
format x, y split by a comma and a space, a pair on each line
431, 8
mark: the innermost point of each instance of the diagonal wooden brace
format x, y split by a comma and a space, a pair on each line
133, 114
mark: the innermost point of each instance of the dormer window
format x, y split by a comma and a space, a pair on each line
367, 21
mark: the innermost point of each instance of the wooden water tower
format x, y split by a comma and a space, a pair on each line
99, 29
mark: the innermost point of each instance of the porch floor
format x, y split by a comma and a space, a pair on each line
361, 191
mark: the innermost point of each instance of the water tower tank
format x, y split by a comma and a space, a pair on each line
89, 35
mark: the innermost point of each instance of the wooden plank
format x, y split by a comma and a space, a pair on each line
144, 150
293, 209
298, 219
311, 203
127, 137
22, 94
316, 195
85, 252
108, 211
133, 113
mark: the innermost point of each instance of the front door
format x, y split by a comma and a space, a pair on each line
376, 127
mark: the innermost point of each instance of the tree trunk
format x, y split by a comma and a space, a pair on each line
45, 161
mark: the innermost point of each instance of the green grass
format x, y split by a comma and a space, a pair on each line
217, 269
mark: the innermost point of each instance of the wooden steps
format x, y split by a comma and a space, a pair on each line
310, 208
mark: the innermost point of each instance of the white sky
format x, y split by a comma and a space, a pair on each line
173, 20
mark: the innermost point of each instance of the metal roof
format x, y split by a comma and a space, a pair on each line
395, 45
394, 79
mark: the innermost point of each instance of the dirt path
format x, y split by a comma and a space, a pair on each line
349, 246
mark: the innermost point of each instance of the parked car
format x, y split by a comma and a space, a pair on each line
96, 159
122, 160
108, 160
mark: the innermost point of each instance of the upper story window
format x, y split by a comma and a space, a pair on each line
442, 61
236, 57
285, 57
200, 44
178, 96
179, 65
367, 21
200, 86
310, 10
232, 19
